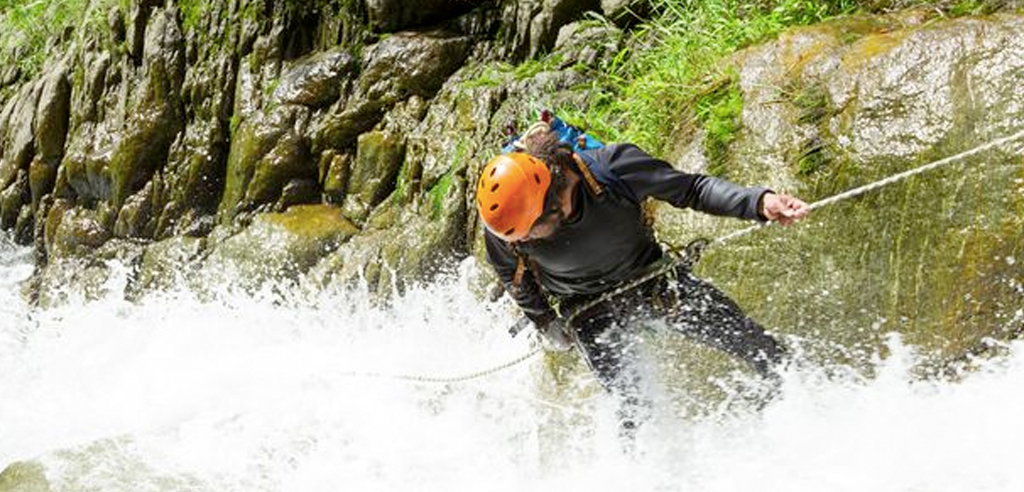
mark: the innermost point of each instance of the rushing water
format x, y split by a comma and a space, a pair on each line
242, 393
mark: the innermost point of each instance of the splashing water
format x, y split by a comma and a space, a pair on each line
242, 392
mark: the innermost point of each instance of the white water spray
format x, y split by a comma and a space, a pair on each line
245, 393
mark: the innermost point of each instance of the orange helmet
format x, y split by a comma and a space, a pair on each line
510, 194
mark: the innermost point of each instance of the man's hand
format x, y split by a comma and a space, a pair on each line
784, 209
554, 335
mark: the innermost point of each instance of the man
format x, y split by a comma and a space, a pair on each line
571, 226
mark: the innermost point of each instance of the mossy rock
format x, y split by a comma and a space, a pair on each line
277, 247
168, 263
157, 119
378, 159
316, 80
402, 245
935, 257
266, 153
24, 476
78, 232
11, 200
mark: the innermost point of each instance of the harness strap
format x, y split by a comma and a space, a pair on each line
517, 278
588, 176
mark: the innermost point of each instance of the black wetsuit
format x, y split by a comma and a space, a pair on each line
607, 242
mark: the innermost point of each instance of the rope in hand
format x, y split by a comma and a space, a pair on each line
883, 182
690, 256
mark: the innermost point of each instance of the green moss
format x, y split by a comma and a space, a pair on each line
718, 111
490, 76
192, 13
812, 101
271, 87
812, 159
437, 194
24, 476
236, 120
975, 7
313, 221
530, 68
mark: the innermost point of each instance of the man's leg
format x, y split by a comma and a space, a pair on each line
700, 311
608, 349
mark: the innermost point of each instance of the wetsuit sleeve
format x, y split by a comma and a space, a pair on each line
528, 294
648, 176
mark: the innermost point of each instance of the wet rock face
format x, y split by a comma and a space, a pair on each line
181, 116
407, 64
379, 156
18, 121
395, 15
317, 81
404, 65
832, 107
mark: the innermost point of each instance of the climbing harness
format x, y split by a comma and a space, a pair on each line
686, 258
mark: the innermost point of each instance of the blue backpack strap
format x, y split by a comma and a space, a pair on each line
575, 137
582, 145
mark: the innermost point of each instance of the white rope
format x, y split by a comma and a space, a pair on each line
434, 379
882, 182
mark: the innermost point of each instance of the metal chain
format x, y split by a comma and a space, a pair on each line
693, 252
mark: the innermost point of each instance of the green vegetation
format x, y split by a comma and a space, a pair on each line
29, 27
718, 111
438, 193
193, 12
675, 62
497, 73
975, 7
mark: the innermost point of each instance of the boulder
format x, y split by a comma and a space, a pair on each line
168, 263
266, 153
17, 143
78, 232
24, 476
849, 102
316, 80
11, 200
402, 65
277, 247
379, 156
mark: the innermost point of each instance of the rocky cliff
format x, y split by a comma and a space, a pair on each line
330, 140
179, 129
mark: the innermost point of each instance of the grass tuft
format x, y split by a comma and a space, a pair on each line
29, 28
672, 63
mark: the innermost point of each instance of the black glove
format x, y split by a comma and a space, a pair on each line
555, 335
